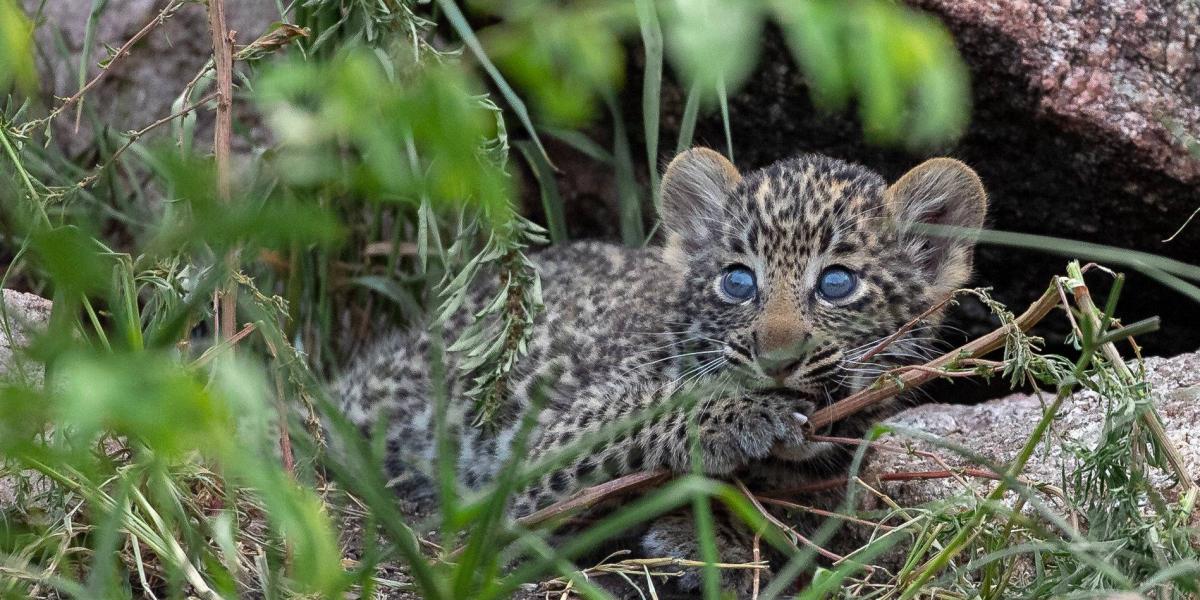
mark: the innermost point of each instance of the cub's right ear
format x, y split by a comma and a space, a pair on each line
694, 191
942, 192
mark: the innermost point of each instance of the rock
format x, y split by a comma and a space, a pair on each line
1127, 71
23, 316
999, 428
142, 86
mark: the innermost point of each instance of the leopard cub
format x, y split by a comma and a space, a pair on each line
764, 302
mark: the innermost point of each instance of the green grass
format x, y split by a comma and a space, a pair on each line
149, 462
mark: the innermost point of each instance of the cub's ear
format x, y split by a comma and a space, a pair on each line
939, 205
694, 190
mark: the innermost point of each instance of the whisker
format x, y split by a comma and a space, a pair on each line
670, 344
672, 357
682, 377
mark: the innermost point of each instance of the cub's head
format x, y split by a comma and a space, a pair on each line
799, 269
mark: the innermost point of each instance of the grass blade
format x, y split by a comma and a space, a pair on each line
687, 125
723, 98
552, 203
85, 54
702, 516
632, 232
582, 143
652, 42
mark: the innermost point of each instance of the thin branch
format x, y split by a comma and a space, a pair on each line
780, 524
285, 438
835, 483
591, 495
938, 372
225, 344
134, 136
909, 325
757, 556
821, 512
167, 12
932, 369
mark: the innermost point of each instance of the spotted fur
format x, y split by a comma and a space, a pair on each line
624, 330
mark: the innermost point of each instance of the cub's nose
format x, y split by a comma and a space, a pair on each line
781, 340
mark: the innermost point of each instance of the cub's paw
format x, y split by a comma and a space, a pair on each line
734, 432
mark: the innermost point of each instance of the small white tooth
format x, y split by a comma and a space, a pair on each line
799, 417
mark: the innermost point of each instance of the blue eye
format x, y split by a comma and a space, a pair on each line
738, 283
836, 283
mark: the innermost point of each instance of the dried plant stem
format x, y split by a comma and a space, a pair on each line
226, 344
841, 482
757, 559
933, 369
908, 326
821, 512
1149, 418
591, 495
638, 566
134, 136
788, 530
222, 41
285, 438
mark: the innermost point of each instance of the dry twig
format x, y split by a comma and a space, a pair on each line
134, 136
167, 12
934, 368
222, 41
591, 495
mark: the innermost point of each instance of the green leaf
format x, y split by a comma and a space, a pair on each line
72, 260
552, 203
16, 49
713, 41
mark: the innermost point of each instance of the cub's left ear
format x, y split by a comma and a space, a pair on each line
939, 205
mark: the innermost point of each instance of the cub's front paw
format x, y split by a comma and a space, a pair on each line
734, 432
